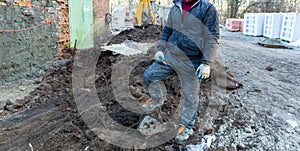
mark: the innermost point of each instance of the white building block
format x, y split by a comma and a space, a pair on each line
272, 25
254, 24
290, 30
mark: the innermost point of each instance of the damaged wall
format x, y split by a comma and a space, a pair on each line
28, 36
32, 32
100, 8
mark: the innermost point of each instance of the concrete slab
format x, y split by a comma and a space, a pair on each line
150, 126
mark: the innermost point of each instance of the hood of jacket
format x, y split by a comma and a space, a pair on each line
179, 2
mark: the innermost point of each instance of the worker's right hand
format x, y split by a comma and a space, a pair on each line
159, 56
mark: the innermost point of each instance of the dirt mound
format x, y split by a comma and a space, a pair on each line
146, 33
50, 120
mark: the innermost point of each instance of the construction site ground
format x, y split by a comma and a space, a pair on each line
39, 113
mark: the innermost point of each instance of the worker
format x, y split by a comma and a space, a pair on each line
188, 46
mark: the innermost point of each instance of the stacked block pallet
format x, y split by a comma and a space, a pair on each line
234, 24
272, 25
290, 27
254, 24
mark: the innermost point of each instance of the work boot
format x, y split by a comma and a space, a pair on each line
151, 105
183, 135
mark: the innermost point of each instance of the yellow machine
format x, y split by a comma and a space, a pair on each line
146, 12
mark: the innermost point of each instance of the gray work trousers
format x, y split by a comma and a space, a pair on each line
185, 69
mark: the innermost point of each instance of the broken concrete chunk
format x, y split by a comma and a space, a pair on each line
150, 126
198, 147
9, 102
248, 130
22, 88
8, 107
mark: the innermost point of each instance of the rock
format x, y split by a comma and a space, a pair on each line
150, 126
248, 130
8, 107
234, 146
17, 105
241, 146
21, 88
9, 102
36, 98
270, 68
68, 109
135, 92
219, 121
1, 111
208, 131
209, 140
222, 128
39, 80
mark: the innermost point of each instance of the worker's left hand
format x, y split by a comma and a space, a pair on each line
203, 71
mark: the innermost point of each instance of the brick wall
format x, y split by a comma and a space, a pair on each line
101, 7
64, 28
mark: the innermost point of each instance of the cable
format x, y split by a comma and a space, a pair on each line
47, 21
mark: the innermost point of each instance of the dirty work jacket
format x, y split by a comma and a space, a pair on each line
197, 35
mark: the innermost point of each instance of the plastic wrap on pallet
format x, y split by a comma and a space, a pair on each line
254, 24
234, 24
290, 28
272, 26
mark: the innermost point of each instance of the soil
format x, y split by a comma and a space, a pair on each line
262, 113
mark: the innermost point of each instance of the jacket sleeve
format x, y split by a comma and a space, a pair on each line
167, 31
212, 34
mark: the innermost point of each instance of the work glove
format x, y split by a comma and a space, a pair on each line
203, 71
160, 57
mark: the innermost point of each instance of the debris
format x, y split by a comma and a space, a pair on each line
198, 147
272, 43
31, 147
122, 49
149, 126
293, 123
